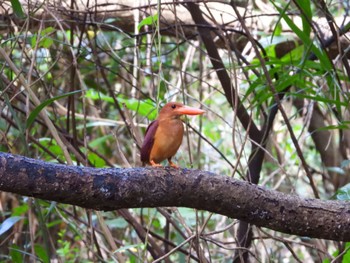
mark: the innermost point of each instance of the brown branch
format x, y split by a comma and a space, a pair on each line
112, 189
224, 78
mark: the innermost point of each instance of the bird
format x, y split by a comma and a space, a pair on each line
164, 135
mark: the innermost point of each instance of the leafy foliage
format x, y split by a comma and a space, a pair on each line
123, 80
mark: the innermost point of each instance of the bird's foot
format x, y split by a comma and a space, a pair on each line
153, 164
173, 164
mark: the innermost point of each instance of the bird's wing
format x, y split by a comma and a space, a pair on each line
148, 141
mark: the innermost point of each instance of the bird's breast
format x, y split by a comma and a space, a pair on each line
167, 139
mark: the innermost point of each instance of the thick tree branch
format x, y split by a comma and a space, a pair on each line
111, 189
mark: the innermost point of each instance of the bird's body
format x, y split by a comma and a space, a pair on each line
164, 135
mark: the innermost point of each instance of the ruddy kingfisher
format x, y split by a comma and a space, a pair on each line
164, 135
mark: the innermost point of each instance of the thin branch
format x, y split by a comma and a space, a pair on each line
224, 78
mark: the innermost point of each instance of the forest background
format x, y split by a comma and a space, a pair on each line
81, 80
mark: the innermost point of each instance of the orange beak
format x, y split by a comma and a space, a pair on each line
185, 110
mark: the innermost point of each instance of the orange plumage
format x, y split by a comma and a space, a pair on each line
164, 135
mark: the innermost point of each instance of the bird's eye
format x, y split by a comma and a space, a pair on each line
173, 106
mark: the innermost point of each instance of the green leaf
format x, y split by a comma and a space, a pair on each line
145, 108
294, 55
110, 20
306, 15
52, 147
278, 30
20, 210
95, 124
333, 127
96, 160
17, 8
41, 253
345, 163
38, 109
100, 140
150, 20
189, 215
319, 99
343, 193
320, 53
117, 223
346, 257
8, 223
132, 248
16, 255
92, 94
336, 169
45, 41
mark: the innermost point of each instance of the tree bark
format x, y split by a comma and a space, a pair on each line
112, 189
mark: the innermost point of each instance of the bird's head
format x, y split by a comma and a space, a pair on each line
174, 110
